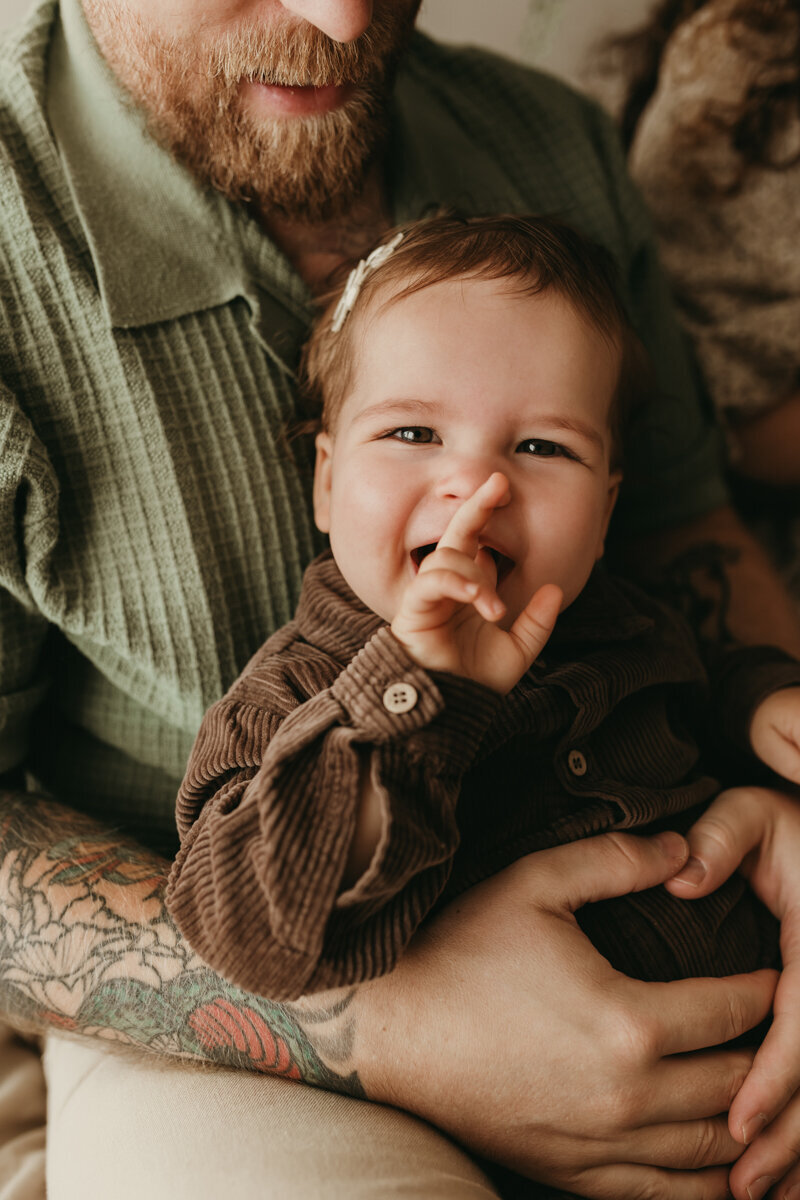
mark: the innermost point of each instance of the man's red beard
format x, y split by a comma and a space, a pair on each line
307, 168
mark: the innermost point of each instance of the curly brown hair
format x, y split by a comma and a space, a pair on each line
767, 104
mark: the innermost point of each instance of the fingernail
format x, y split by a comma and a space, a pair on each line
793, 1193
759, 1188
693, 872
753, 1127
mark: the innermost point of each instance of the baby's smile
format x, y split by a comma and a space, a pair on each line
503, 564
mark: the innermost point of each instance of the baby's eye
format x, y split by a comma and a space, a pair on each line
417, 435
543, 449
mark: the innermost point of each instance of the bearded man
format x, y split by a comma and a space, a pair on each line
178, 178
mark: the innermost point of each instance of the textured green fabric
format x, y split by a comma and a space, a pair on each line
154, 522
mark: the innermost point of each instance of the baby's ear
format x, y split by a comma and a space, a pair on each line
322, 482
614, 480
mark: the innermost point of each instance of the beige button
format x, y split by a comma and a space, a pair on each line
576, 762
400, 697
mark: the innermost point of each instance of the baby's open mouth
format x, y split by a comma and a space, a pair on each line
503, 563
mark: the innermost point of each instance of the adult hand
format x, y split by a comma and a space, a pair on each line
758, 831
503, 1026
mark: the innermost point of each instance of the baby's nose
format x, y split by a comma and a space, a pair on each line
464, 476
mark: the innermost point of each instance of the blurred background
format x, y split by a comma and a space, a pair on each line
557, 35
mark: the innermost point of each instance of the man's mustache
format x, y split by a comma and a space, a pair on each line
300, 55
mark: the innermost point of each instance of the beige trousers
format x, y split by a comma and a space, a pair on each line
131, 1128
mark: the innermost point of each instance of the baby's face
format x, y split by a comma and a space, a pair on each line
452, 383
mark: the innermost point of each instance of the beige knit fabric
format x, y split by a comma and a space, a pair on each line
728, 236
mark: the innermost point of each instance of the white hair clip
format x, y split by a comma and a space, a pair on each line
356, 278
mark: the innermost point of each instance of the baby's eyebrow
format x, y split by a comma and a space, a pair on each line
573, 425
400, 407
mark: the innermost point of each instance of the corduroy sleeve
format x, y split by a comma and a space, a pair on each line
740, 679
267, 813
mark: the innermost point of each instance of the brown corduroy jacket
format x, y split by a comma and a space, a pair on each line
600, 734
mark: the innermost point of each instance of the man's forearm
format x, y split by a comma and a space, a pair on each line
715, 570
88, 948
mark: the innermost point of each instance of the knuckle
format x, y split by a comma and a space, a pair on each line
652, 1186
621, 1110
739, 1014
633, 1038
623, 846
716, 834
738, 1068
709, 1147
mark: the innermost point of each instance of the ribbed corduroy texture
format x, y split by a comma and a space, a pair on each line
471, 781
151, 517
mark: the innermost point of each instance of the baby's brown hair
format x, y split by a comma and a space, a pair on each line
539, 254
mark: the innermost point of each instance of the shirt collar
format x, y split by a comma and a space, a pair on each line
330, 616
163, 246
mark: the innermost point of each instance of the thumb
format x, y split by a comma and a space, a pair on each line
533, 626
611, 864
731, 826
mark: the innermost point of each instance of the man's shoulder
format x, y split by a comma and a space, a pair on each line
476, 76
24, 52
511, 136
29, 165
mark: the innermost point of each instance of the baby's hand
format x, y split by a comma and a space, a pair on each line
775, 732
448, 614
757, 830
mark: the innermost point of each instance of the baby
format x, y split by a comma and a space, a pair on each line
462, 683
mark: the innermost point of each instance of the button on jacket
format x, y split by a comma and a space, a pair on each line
154, 520
471, 781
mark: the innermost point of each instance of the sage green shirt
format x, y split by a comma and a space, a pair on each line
154, 520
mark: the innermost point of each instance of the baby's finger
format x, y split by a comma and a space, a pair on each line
486, 564
480, 570
479, 567
533, 626
430, 588
470, 517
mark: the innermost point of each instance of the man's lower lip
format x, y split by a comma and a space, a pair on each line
274, 100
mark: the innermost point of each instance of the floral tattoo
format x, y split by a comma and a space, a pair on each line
87, 947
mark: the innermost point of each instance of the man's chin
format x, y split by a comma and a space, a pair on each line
305, 169
301, 152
